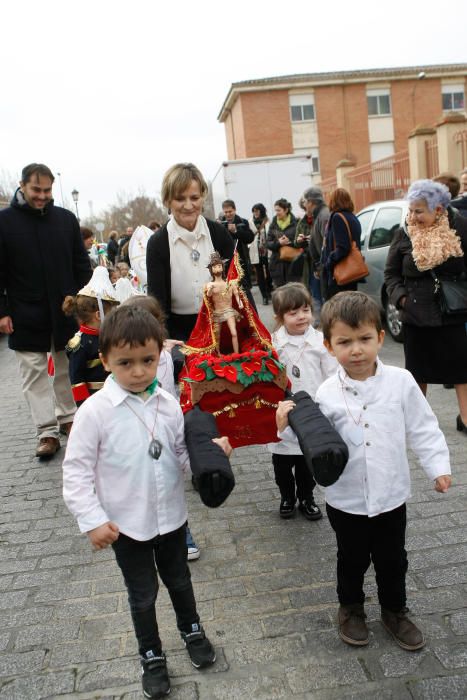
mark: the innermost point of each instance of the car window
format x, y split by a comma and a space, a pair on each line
386, 223
365, 220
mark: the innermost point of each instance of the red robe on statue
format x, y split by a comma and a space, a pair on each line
242, 389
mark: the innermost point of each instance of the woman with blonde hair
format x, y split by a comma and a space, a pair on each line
178, 253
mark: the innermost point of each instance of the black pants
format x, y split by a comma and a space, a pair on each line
360, 540
301, 486
137, 561
263, 277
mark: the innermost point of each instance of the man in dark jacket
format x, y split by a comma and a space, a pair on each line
240, 231
42, 259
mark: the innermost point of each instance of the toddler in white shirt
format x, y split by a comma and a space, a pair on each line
378, 410
300, 348
123, 481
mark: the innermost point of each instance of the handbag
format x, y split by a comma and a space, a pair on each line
287, 253
451, 293
353, 267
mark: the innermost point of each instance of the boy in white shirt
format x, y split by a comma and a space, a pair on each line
375, 408
123, 481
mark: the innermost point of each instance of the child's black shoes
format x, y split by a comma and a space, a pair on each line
287, 508
352, 625
405, 633
309, 509
199, 647
155, 679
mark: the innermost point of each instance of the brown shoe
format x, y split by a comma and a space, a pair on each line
352, 625
406, 634
47, 447
65, 428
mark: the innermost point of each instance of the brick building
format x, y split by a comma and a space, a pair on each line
361, 116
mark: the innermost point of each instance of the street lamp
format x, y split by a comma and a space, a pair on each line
75, 195
420, 76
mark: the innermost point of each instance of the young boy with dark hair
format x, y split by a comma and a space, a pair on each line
123, 481
378, 410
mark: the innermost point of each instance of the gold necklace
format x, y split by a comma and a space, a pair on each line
357, 422
155, 446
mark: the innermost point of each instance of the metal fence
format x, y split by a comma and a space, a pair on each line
431, 155
327, 186
384, 179
460, 139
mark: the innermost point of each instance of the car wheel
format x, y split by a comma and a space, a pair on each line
394, 322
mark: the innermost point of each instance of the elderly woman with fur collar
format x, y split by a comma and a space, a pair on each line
433, 241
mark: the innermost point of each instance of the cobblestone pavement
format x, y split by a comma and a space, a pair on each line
265, 588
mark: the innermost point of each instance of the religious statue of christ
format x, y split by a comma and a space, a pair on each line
221, 291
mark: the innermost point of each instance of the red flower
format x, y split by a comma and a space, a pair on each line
230, 373
197, 374
251, 367
272, 367
219, 371
236, 356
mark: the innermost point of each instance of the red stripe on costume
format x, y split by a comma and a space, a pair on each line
88, 330
80, 391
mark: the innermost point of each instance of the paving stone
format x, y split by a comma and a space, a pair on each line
449, 576
73, 653
109, 674
308, 597
280, 625
42, 578
436, 599
28, 616
6, 582
453, 536
14, 599
444, 688
73, 589
49, 634
458, 622
88, 607
400, 663
29, 662
283, 580
4, 640
184, 691
179, 664
452, 656
311, 676
38, 686
258, 686
266, 650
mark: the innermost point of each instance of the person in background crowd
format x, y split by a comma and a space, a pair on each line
88, 240
303, 235
124, 269
460, 202
123, 246
154, 226
259, 224
42, 259
112, 247
114, 274
240, 231
433, 239
178, 253
281, 233
451, 181
337, 244
320, 214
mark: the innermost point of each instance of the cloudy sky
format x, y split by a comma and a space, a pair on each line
111, 93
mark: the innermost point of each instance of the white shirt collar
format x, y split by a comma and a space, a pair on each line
118, 395
348, 381
177, 231
282, 337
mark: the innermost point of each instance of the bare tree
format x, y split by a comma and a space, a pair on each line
8, 186
129, 211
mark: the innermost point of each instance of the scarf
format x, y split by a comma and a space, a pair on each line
284, 222
434, 245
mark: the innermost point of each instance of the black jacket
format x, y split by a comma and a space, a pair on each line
42, 259
244, 236
281, 271
112, 250
158, 265
402, 278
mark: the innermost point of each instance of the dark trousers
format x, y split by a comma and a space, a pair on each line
138, 561
361, 540
263, 278
301, 486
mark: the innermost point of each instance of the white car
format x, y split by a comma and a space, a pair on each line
379, 222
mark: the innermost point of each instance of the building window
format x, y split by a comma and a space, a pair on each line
453, 97
302, 108
315, 163
379, 103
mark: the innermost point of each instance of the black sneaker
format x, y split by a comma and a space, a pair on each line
199, 647
155, 679
309, 509
286, 508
